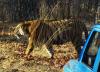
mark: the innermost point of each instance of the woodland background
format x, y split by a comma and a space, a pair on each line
19, 10
14, 11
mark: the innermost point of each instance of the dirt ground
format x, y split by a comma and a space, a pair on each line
11, 61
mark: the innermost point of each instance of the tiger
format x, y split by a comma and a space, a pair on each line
50, 32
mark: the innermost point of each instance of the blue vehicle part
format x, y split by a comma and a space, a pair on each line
79, 65
94, 28
97, 61
75, 66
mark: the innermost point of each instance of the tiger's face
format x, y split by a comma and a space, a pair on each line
20, 30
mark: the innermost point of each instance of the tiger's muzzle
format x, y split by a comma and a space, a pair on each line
18, 32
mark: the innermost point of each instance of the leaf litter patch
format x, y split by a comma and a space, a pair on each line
12, 56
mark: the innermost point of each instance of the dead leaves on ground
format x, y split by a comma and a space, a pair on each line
62, 53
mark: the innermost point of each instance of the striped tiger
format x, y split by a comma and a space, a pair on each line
51, 32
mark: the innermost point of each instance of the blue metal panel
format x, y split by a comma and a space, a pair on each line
85, 45
76, 66
95, 28
96, 63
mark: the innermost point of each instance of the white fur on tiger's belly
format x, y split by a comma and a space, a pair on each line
41, 52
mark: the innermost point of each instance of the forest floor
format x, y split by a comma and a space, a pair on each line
11, 61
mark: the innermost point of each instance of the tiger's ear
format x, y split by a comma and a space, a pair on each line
26, 25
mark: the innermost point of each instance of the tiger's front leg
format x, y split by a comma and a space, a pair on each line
31, 40
30, 45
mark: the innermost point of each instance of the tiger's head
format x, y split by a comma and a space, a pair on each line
26, 28
21, 30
